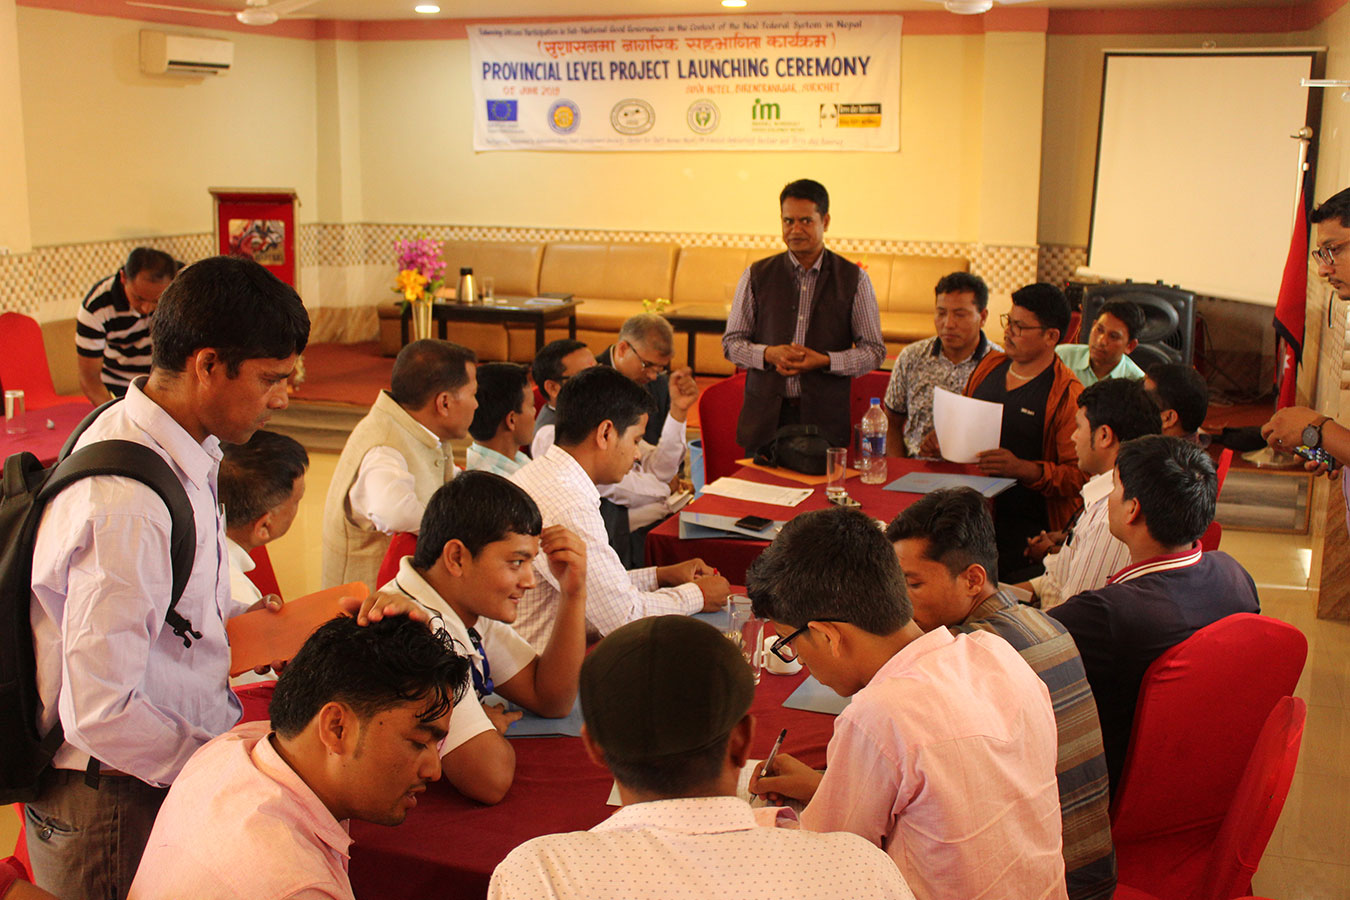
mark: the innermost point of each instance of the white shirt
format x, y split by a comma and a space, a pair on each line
507, 652
646, 487
243, 591
384, 496
1091, 556
566, 495
707, 848
127, 689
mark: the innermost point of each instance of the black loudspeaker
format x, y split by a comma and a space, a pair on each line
1168, 335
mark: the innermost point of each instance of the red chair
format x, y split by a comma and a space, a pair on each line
403, 544
719, 407
23, 365
1209, 541
1221, 468
1202, 706
263, 576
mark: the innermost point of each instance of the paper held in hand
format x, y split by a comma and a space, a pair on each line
965, 426
262, 637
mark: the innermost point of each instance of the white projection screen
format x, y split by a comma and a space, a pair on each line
1197, 175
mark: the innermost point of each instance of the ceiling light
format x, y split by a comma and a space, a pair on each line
733, 2
427, 9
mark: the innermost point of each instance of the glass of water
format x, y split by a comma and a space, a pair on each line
836, 472
746, 632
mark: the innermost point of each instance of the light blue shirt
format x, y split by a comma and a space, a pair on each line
484, 459
1079, 361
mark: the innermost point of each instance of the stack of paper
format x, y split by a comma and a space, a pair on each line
757, 492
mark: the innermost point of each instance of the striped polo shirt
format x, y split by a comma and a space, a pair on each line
107, 327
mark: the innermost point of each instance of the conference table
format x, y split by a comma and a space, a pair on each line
733, 555
448, 845
39, 440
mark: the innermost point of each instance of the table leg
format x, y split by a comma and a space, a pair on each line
572, 326
441, 325
403, 323
689, 358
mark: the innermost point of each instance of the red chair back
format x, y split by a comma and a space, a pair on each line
719, 407
1221, 467
1209, 541
403, 544
263, 576
1201, 707
23, 365
1257, 804
861, 392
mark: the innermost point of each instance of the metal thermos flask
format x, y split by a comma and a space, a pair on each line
468, 288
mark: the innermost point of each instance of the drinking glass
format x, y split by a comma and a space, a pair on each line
487, 289
746, 632
836, 471
14, 412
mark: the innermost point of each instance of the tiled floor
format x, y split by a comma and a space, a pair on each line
1309, 854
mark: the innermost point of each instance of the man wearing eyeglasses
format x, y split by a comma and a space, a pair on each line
112, 327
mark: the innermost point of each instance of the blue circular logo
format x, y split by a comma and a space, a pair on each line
564, 116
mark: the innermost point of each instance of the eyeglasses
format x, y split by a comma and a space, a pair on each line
1016, 328
783, 649
649, 367
1327, 255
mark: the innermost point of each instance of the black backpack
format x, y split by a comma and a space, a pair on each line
800, 448
25, 753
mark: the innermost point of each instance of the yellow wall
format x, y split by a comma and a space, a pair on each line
15, 236
112, 153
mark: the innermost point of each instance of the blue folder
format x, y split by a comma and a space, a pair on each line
927, 482
813, 696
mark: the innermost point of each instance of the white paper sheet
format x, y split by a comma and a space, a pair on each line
965, 426
758, 492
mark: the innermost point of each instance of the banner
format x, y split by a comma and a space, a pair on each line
811, 81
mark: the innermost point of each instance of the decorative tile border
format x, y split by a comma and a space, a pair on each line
1058, 262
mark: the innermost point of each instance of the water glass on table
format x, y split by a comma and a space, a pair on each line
746, 632
836, 472
487, 289
14, 412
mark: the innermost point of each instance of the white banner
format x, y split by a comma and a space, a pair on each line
811, 81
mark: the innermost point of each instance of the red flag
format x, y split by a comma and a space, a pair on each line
1290, 308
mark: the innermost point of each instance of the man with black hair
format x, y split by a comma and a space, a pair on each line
803, 324
1081, 558
946, 548
676, 767
262, 811
1039, 396
112, 326
479, 537
945, 757
601, 417
553, 365
1114, 335
942, 361
261, 484
1162, 502
503, 421
133, 701
1182, 398
396, 458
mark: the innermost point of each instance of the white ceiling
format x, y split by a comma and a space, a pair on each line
552, 9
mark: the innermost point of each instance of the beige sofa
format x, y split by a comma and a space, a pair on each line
612, 279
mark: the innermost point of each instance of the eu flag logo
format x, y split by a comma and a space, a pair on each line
501, 110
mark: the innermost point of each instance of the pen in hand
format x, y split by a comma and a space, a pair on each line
777, 745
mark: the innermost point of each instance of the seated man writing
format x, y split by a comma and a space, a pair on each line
479, 537
1114, 335
601, 417
503, 421
1162, 502
946, 548
945, 758
261, 811
261, 485
682, 832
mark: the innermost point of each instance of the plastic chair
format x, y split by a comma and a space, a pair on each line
719, 407
403, 544
263, 576
1202, 705
1209, 541
23, 365
1221, 468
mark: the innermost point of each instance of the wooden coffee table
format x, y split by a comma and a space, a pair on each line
506, 309
697, 319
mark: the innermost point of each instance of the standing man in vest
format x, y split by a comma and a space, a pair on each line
112, 326
395, 458
804, 324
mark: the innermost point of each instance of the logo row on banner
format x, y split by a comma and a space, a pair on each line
772, 82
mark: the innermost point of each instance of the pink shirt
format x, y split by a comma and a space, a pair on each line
946, 760
239, 822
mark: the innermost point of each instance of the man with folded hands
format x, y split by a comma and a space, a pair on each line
261, 811
475, 552
682, 831
945, 757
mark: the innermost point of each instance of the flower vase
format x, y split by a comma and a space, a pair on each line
421, 319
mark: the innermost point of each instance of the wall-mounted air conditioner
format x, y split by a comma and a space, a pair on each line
184, 54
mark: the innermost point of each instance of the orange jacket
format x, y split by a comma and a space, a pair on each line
1061, 481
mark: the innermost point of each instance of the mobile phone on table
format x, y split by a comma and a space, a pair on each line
753, 523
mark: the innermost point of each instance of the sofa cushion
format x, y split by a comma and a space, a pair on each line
609, 271
904, 282
513, 266
708, 275
906, 327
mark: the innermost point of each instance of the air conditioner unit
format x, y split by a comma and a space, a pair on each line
184, 54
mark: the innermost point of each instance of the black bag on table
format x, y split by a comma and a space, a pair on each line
800, 448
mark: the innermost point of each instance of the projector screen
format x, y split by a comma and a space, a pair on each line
1197, 175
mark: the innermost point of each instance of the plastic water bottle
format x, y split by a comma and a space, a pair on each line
873, 462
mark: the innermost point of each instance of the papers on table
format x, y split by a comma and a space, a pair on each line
695, 525
813, 696
757, 492
965, 426
927, 482
531, 725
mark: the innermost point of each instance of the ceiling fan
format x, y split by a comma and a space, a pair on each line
255, 12
973, 7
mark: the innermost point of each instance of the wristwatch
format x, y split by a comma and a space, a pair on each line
1312, 434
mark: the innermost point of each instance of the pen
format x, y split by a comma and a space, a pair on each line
777, 745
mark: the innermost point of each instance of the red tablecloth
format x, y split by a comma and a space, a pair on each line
39, 440
448, 846
732, 556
